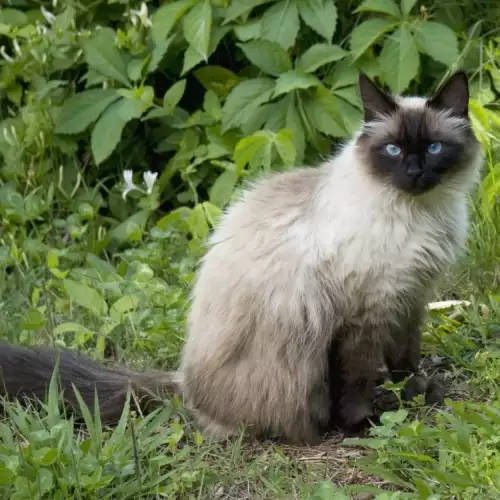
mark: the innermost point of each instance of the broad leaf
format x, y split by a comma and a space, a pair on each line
280, 23
192, 57
388, 7
240, 8
399, 59
108, 130
132, 228
294, 80
165, 18
255, 150
293, 122
268, 56
82, 109
284, 146
407, 6
173, 95
217, 78
324, 113
197, 25
248, 31
104, 57
223, 188
438, 41
158, 54
318, 55
86, 296
245, 98
320, 15
366, 34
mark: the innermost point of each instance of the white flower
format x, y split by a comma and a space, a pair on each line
141, 14
48, 15
41, 29
54, 3
4, 54
129, 183
16, 46
149, 180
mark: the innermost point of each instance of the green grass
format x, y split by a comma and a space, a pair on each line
137, 304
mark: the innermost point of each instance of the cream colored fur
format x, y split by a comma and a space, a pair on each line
302, 254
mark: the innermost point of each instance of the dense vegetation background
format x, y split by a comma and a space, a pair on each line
125, 129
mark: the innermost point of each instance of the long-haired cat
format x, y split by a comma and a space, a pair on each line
315, 280
344, 255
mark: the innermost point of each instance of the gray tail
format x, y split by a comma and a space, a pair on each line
27, 372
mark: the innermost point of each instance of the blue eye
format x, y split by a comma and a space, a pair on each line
434, 148
393, 150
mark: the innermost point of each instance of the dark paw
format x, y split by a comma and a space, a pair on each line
436, 391
417, 384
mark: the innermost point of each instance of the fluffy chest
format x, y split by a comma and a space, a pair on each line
374, 257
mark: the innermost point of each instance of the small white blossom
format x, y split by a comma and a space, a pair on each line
41, 29
48, 15
4, 54
149, 180
17, 48
54, 3
129, 183
141, 14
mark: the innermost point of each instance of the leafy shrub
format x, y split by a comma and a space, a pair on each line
205, 93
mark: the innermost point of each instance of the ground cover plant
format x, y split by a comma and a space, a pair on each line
125, 129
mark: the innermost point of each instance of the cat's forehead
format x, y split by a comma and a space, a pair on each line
414, 120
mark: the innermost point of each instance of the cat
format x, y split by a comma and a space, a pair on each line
314, 281
335, 265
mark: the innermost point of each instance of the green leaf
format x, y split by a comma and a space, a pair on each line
174, 95
318, 55
438, 41
108, 130
294, 80
103, 56
87, 297
283, 142
192, 57
407, 5
198, 222
267, 56
255, 149
324, 114
223, 188
158, 54
382, 6
366, 34
165, 18
82, 109
33, 320
280, 23
245, 98
132, 228
399, 59
293, 122
217, 79
240, 8
320, 15
197, 25
123, 305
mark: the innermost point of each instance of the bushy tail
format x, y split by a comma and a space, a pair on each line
27, 372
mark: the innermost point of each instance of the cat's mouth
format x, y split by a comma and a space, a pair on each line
421, 183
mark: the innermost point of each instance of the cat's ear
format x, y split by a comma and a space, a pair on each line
453, 95
375, 101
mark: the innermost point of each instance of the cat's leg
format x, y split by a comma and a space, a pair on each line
360, 355
403, 360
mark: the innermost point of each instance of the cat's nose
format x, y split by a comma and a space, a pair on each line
413, 170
